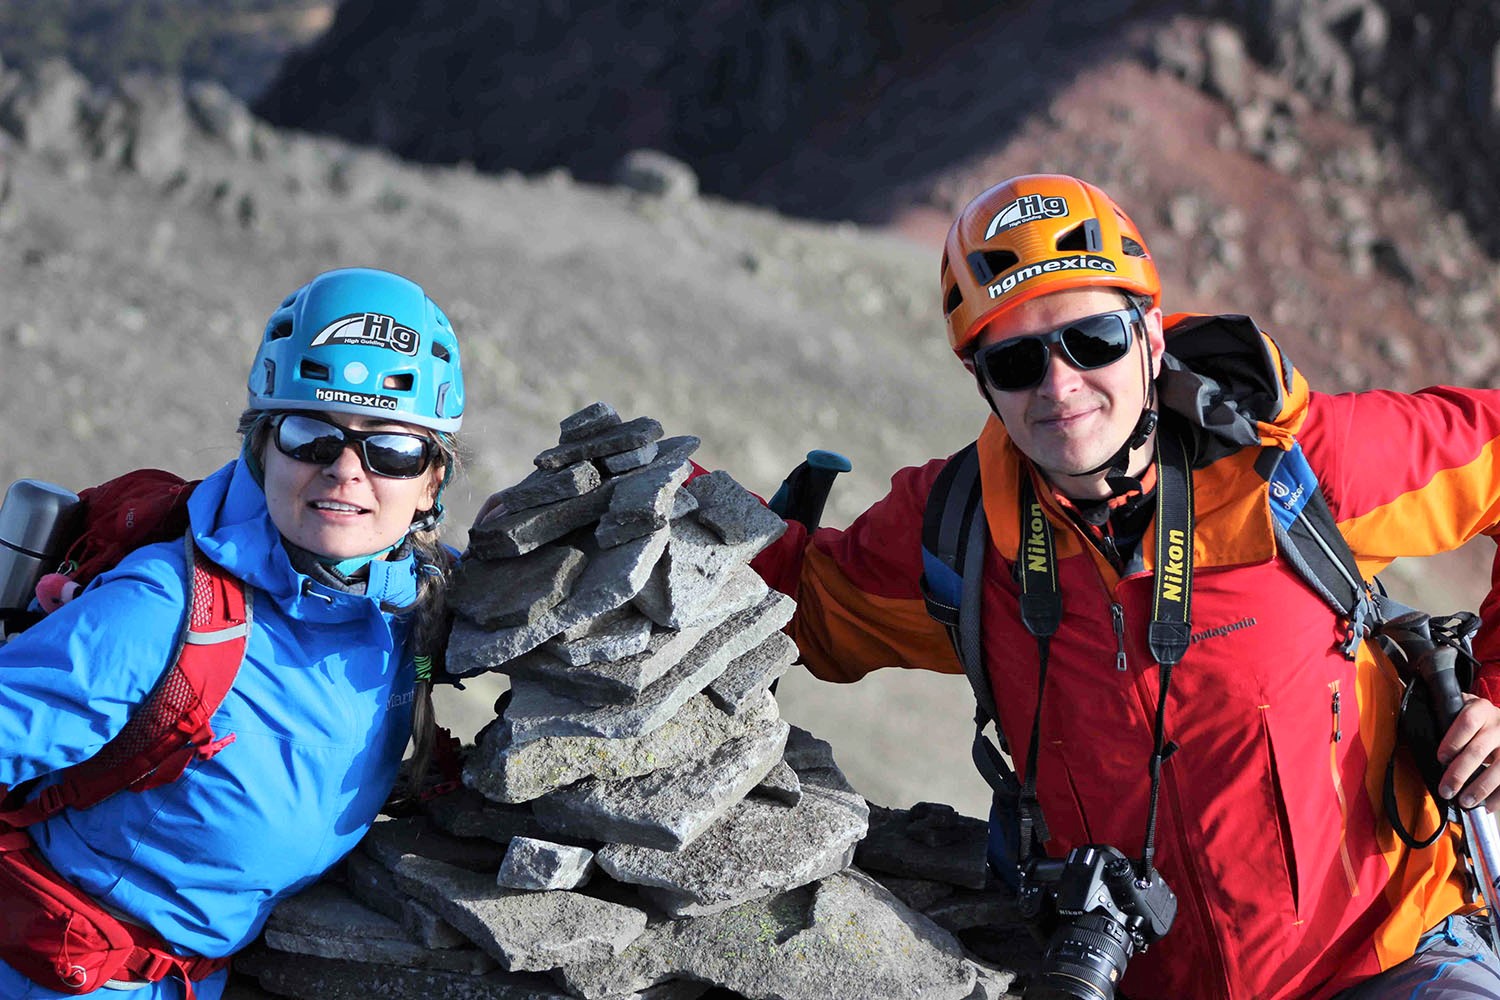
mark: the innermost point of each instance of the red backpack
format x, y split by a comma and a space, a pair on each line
51, 931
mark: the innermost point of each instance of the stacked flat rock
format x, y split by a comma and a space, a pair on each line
638, 821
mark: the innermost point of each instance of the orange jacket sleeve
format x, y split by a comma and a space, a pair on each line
859, 602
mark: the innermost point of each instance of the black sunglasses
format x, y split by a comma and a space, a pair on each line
1092, 342
320, 442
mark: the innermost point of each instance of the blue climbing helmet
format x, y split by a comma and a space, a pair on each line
364, 341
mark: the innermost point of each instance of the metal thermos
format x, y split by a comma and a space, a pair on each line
36, 519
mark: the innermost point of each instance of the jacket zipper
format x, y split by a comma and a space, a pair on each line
1117, 615
1190, 867
1338, 788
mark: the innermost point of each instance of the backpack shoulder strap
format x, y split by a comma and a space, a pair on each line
955, 536
171, 727
1310, 541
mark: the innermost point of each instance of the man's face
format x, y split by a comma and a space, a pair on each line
1073, 421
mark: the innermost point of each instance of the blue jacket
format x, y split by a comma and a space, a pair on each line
321, 712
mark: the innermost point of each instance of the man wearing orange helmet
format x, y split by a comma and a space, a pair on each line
1135, 508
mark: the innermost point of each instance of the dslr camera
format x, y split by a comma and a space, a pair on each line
1106, 913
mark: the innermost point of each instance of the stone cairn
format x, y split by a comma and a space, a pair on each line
639, 821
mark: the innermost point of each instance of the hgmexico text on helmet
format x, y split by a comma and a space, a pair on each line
1032, 235
361, 341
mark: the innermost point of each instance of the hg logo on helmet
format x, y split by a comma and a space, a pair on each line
1028, 208
373, 329
1078, 262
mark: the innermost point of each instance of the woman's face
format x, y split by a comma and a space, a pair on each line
342, 510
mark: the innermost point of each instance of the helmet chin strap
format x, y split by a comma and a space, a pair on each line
1118, 477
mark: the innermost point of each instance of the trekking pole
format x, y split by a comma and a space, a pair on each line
805, 490
1437, 665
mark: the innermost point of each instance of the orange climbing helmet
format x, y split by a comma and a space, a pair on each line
1036, 234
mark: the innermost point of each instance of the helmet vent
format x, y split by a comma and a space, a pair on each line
280, 330
953, 300
1084, 237
313, 371
1132, 248
986, 264
440, 352
401, 382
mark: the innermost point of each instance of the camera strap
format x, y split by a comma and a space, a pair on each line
1171, 616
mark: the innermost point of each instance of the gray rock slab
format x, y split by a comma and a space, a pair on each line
517, 772
689, 582
596, 624
671, 807
374, 885
389, 840
331, 979
327, 922
627, 460
780, 785
845, 938
968, 908
588, 684
642, 501
591, 420
732, 512
466, 813
423, 924
930, 840
610, 578
804, 751
608, 682
524, 931
541, 865
542, 487
683, 504
918, 893
751, 673
609, 440
994, 984
509, 592
519, 533
757, 849
535, 712
614, 640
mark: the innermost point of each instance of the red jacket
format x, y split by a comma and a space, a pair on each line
1290, 881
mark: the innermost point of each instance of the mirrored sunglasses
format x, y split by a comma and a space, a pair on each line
1089, 343
392, 454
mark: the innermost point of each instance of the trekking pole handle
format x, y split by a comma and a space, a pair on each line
804, 492
1438, 667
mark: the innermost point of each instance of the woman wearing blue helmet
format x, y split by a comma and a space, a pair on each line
328, 518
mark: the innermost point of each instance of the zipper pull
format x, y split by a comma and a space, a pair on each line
1338, 728
1117, 614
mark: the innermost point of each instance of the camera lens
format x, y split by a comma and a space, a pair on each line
1085, 960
